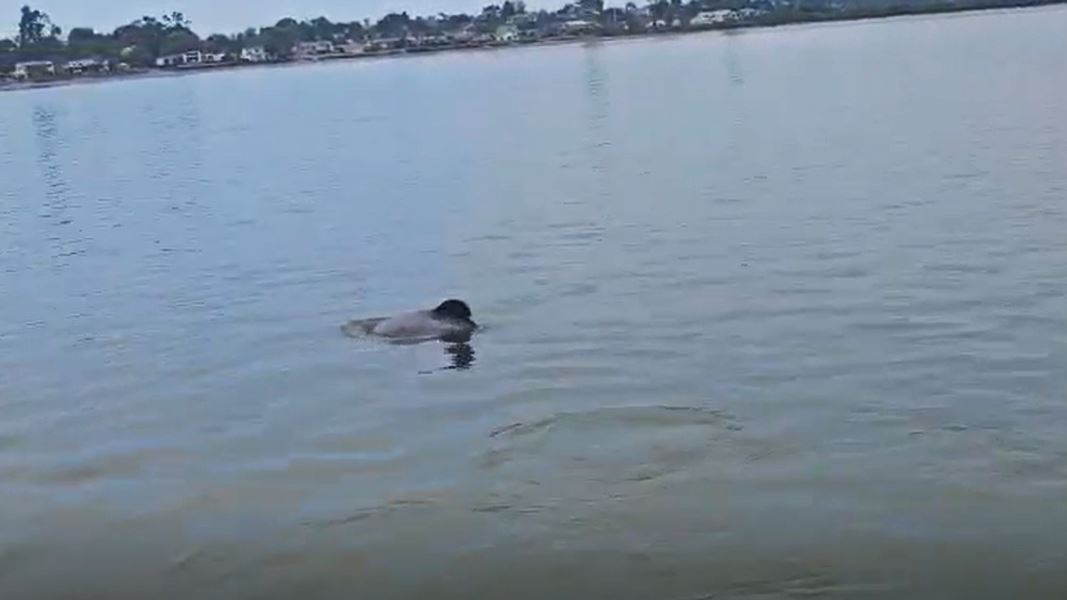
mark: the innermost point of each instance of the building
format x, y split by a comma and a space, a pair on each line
34, 69
384, 44
86, 66
577, 27
214, 57
712, 18
192, 57
255, 54
350, 47
310, 50
506, 34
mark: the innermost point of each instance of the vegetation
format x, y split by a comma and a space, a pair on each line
139, 43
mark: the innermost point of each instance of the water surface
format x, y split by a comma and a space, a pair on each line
773, 314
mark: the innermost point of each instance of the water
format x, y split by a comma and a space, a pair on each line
773, 314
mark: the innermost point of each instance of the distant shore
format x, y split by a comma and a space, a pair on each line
137, 74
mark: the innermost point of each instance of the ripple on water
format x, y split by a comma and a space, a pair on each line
613, 445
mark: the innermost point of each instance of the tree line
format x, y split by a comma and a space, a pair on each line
140, 42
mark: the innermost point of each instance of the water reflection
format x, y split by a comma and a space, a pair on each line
734, 71
459, 355
46, 131
599, 106
462, 356
876, 401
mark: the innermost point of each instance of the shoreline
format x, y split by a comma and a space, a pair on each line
857, 16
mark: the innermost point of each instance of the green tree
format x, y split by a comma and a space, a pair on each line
676, 8
280, 39
146, 34
83, 42
221, 43
81, 35
596, 6
354, 31
8, 55
35, 27
137, 56
176, 21
659, 9
393, 25
322, 29
179, 41
613, 18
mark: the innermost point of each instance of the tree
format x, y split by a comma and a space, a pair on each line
354, 31
32, 27
221, 43
176, 21
393, 25
8, 55
83, 42
596, 6
81, 35
279, 40
322, 29
137, 56
613, 16
158, 37
659, 9
422, 26
179, 41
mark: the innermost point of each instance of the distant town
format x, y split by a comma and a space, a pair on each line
43, 53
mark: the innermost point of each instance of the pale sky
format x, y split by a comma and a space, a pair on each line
229, 16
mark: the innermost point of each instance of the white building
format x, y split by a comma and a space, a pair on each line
192, 57
34, 68
578, 26
713, 17
350, 47
309, 50
86, 65
506, 33
255, 54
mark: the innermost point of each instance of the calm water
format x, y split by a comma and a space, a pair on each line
776, 314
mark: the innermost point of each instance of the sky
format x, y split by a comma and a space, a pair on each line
228, 16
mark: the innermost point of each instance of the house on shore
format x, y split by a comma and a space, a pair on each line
255, 54
87, 66
350, 47
313, 50
713, 18
214, 58
578, 27
34, 69
384, 44
506, 34
192, 57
